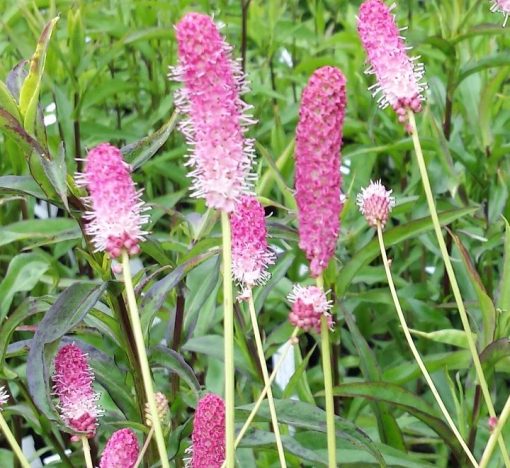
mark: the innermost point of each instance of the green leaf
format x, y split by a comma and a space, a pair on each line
504, 285
492, 61
8, 102
56, 172
23, 185
450, 337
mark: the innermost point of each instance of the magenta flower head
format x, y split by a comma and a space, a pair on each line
318, 178
398, 76
221, 156
250, 252
501, 6
208, 437
309, 304
121, 450
77, 400
375, 203
4, 397
115, 216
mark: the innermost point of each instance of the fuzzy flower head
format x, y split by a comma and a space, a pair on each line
220, 156
121, 450
318, 178
4, 397
309, 304
398, 76
501, 6
208, 437
77, 400
115, 217
375, 203
250, 252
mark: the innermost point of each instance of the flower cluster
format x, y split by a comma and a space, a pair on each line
121, 450
318, 178
501, 6
309, 304
221, 156
375, 203
161, 406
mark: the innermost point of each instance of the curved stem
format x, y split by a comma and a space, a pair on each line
86, 452
415, 352
13, 442
144, 362
144, 448
453, 280
496, 433
265, 374
228, 337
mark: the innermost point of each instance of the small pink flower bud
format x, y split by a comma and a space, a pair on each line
375, 203
250, 252
501, 6
115, 218
493, 422
4, 397
121, 450
77, 400
309, 304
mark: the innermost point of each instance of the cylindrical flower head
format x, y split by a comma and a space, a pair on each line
398, 76
212, 82
318, 178
375, 203
161, 406
309, 304
4, 397
250, 252
72, 381
121, 450
115, 216
208, 436
501, 6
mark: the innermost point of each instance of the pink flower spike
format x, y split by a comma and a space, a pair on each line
375, 203
398, 76
501, 6
121, 450
208, 438
4, 397
73, 380
220, 156
115, 217
250, 252
309, 304
318, 178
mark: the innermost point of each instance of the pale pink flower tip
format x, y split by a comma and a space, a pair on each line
208, 438
4, 397
115, 217
309, 304
318, 178
501, 6
77, 400
250, 252
375, 203
398, 76
220, 156
121, 450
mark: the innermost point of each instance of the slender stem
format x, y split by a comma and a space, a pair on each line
144, 362
453, 280
496, 434
262, 359
415, 352
228, 326
13, 442
86, 452
144, 448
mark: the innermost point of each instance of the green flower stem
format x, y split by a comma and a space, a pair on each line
453, 280
13, 442
228, 337
328, 385
145, 447
86, 452
265, 374
496, 433
144, 362
415, 352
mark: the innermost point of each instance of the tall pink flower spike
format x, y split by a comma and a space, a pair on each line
501, 6
121, 450
221, 156
72, 380
398, 76
250, 252
115, 216
309, 304
318, 178
375, 203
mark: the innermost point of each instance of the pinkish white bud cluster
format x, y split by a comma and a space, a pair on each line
77, 400
4, 397
250, 252
501, 6
115, 218
161, 406
375, 203
221, 156
309, 304
121, 450
398, 76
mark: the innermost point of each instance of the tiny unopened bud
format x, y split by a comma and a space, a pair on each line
162, 408
493, 422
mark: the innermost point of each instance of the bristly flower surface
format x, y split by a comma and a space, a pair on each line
115, 217
4, 397
398, 76
318, 178
501, 6
309, 304
220, 156
77, 400
250, 252
375, 203
121, 450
